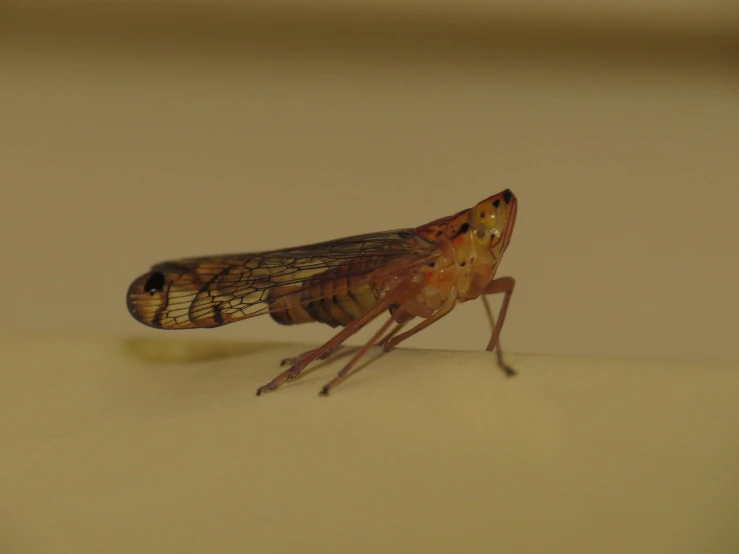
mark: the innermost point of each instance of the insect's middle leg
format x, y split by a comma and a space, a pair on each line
503, 285
300, 357
384, 340
447, 307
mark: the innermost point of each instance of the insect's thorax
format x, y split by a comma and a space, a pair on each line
463, 267
468, 247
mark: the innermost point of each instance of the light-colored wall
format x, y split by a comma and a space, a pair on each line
129, 141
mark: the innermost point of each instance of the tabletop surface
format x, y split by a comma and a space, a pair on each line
160, 445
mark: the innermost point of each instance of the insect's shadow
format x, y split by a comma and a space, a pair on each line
173, 351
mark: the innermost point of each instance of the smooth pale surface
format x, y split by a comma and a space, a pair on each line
154, 445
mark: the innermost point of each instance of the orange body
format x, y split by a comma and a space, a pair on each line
470, 246
418, 272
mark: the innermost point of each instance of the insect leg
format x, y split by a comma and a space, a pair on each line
330, 352
447, 307
334, 342
392, 333
504, 285
344, 373
299, 357
356, 357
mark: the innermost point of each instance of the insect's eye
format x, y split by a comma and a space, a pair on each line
481, 231
155, 283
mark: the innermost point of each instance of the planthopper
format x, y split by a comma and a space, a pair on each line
416, 275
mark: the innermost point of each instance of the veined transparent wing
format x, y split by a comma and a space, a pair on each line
210, 291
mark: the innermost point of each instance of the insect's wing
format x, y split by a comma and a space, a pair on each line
214, 290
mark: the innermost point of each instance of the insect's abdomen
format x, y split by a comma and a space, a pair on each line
336, 300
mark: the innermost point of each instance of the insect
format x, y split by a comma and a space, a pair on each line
420, 273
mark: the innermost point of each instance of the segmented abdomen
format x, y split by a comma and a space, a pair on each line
339, 298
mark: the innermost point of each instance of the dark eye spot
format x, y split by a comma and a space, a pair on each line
482, 215
432, 264
463, 264
507, 195
155, 283
496, 202
464, 228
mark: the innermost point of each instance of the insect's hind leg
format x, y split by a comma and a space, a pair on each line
300, 357
391, 339
344, 373
328, 353
503, 285
304, 359
333, 343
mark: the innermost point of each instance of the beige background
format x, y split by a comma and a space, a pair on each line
151, 131
129, 138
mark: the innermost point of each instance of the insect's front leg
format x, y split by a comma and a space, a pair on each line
503, 285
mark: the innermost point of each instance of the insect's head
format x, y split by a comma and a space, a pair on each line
492, 221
